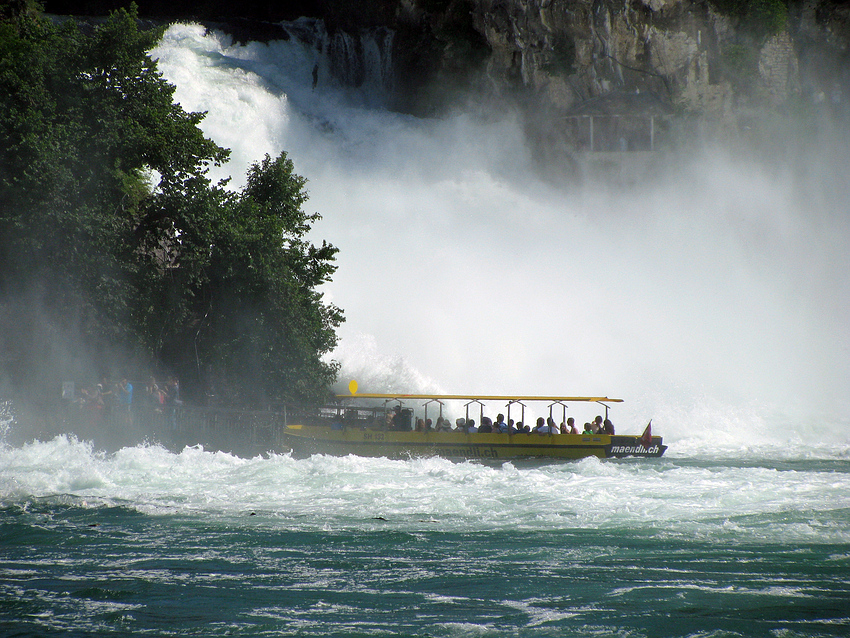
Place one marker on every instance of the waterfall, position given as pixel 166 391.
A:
pixel 361 61
pixel 713 297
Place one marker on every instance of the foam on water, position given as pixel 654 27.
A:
pixel 800 503
pixel 714 299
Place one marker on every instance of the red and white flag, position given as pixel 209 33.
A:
pixel 646 438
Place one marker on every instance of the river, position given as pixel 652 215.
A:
pixel 712 297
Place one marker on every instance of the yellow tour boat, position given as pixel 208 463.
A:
pixel 385 425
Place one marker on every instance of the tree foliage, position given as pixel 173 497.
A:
pixel 762 18
pixel 110 225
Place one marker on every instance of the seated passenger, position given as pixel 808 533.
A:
pixel 460 424
pixel 608 427
pixel 597 425
pixel 486 425
pixel 421 426
pixel 500 425
pixel 571 423
pixel 470 426
pixel 588 429
pixel 541 427
pixel 553 428
pixel 564 429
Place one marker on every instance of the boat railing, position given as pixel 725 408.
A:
pixel 368 410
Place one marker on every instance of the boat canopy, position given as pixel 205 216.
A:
pixel 476 397
pixel 469 399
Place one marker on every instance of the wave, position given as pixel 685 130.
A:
pixel 732 499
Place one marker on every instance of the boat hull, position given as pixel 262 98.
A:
pixel 306 440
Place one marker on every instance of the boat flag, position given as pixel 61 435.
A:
pixel 646 437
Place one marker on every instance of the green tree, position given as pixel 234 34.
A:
pixel 85 119
pixel 112 235
pixel 761 18
pixel 239 308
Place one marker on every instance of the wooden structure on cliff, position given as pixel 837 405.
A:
pixel 619 122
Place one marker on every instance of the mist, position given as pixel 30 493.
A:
pixel 712 295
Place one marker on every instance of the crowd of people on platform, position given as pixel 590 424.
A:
pixel 118 397
pixel 396 421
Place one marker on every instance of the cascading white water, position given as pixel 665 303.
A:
pixel 714 299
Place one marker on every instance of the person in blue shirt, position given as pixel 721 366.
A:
pixel 125 399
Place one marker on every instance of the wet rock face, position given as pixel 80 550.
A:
pixel 703 56
pixel 688 52
pixel 568 51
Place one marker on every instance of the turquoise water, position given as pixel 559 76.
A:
pixel 146 541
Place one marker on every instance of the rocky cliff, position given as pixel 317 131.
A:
pixel 696 55
pixel 714 59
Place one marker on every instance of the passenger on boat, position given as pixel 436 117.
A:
pixel 571 422
pixel 486 425
pixel 442 425
pixel 421 426
pixel 460 424
pixel 597 425
pixel 402 419
pixel 588 429
pixel 564 428
pixel 500 425
pixel 470 426
pixel 546 428
pixel 608 427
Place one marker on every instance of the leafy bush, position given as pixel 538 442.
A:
pixel 220 287
pixel 762 18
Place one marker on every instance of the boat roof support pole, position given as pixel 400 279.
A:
pixel 522 413
pixel 432 401
pixel 482 409
pixel 564 406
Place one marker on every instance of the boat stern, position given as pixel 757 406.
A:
pixel 623 446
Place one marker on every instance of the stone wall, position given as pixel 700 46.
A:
pixel 779 68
